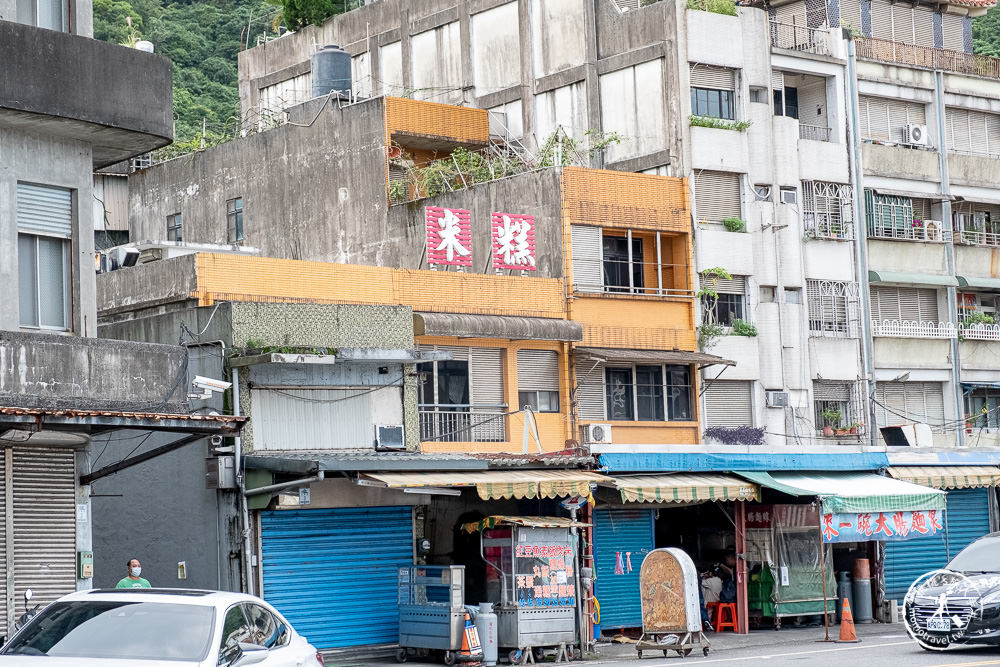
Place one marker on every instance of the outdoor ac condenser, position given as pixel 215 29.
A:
pixel 915 135
pixel 598 434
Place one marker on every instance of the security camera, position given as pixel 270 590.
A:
pixel 207 386
pixel 215 441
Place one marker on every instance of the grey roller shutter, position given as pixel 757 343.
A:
pixel 874 117
pixel 736 285
pixel 910 304
pixel 587 258
pixel 457 353
pixel 537 370
pixel 921 208
pixel 44 210
pixel 959 136
pixel 890 406
pixel 44 524
pixel 882 19
pixel 850 13
pixel 902 24
pixel 952 31
pixel 717 196
pixel 791 14
pixel 728 403
pixel 902 402
pixel 706 76
pixel 993 134
pixel 777 80
pixel 978 133
pixel 486 375
pixel 831 391
pixel 902 113
pixel 923 26
pixel 590 389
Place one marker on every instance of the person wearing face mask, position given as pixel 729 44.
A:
pixel 133 580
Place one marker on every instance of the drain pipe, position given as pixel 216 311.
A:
pixel 861 244
pixel 245 574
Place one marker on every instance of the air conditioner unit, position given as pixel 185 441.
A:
pixel 915 135
pixel 598 434
pixel 777 399
pixel 389 439
pixel 789 196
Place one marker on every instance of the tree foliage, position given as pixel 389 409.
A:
pixel 986 33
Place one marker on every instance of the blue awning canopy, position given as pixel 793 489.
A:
pixel 741 460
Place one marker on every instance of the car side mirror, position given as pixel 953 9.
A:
pixel 250 654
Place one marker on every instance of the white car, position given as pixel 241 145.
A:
pixel 145 627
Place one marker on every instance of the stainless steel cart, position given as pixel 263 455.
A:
pixel 671 610
pixel 536 579
pixel 431 611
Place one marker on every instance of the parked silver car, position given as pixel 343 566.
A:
pixel 145 627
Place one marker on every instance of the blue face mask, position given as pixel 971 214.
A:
pixel 136 571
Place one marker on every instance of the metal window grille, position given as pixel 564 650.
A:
pixel 844 398
pixel 828 209
pixel 834 308
pixel 895 217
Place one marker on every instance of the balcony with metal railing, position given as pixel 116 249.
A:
pixel 888 51
pixel 979 237
pixel 820 226
pixel 917 230
pixel 454 422
pixel 979 331
pixel 913 329
pixel 800 38
pixel 814 132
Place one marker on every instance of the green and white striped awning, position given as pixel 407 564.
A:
pixel 948 477
pixel 684 488
pixel 852 492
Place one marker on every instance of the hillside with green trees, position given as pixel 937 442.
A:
pixel 203 38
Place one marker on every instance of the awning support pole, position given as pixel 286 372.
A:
pixel 822 576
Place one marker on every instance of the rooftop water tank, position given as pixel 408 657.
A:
pixel 331 71
pixel 144 45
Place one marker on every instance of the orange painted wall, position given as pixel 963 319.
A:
pixel 234 278
pixel 652 323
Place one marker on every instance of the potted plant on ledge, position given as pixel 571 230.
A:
pixel 832 419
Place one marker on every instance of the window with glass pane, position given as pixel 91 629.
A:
pixel 679 393
pixel 616 263
pixel 724 309
pixel 982 405
pixel 649 393
pixel 234 219
pixel 712 103
pixel 539 401
pixel 43 281
pixel 175 227
pixel 620 398
pixel 49 14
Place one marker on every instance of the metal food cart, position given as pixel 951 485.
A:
pixel 671 609
pixel 431 610
pixel 534 561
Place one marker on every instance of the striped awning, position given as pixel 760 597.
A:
pixel 496 484
pixel 528 521
pixel 684 487
pixel 852 492
pixel 948 477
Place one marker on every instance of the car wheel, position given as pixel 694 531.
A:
pixel 401 655
pixel 450 658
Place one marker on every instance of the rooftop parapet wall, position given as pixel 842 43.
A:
pixel 62 372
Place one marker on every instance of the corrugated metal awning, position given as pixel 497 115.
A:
pixel 852 492
pixel 911 278
pixel 496 326
pixel 497 484
pixel 684 487
pixel 977 281
pixel 529 521
pixel 948 477
pixel 664 356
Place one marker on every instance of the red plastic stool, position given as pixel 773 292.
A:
pixel 713 612
pixel 729 623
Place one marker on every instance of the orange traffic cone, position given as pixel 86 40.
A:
pixel 848 635
pixel 471 650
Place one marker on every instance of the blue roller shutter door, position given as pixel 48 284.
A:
pixel 332 572
pixel 968 518
pixel 620 530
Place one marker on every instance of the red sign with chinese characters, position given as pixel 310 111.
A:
pixel 449 236
pixel 513 241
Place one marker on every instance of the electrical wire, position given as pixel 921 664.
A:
pixel 365 392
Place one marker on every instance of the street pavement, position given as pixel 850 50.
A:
pixel 880 645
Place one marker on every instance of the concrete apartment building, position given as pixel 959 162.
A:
pixel 69 105
pixel 800 213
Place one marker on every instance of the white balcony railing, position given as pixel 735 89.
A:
pixel 814 132
pixel 979 331
pixel 926 230
pixel 462 422
pixel 800 38
pixel 976 237
pixel 911 329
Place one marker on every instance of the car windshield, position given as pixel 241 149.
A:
pixel 118 629
pixel 980 556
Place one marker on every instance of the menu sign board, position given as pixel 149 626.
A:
pixel 543 575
